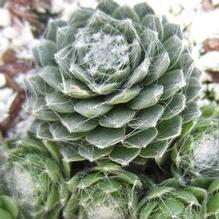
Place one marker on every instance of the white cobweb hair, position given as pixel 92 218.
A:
pixel 21 185
pixel 206 153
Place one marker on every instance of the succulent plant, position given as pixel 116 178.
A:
pixel 115 82
pixel 103 192
pixel 8 207
pixel 196 155
pixel 34 179
pixel 171 200
pixel 213 200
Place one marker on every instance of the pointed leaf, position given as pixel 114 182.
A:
pixel 191 112
pixel 123 96
pixel 213 204
pixel 149 96
pixel 139 73
pixel 59 102
pixel 172 81
pixel 214 186
pixel 104 88
pixel 125 12
pixel 154 23
pixel 158 67
pixel 76 89
pixel 154 150
pixel 52 29
pixel 172 30
pixel 193 89
pixel 135 54
pixel 104 137
pixel 171 128
pixel 175 105
pixel 44 53
pixel 79 17
pixel 174 48
pixel 60 133
pixel 92 108
pixel 76 123
pixel 123 155
pixel 143 9
pixel 52 76
pixel 91 153
pixel 147 118
pixel 70 153
pixel 141 139
pixel 118 117
pixel 107 6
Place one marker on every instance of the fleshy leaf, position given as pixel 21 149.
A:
pixel 104 137
pixel 118 117
pixel 76 89
pixel 193 89
pixel 147 118
pixel 139 73
pixel 123 96
pixel 125 12
pixel 92 108
pixel 143 9
pixel 123 155
pixel 191 112
pixel 140 139
pixel 52 76
pixel 52 29
pixel 59 102
pixel 158 67
pixel 172 81
pixel 174 128
pixel 175 105
pixel 91 153
pixel 149 96
pixel 44 53
pixel 174 48
pixel 107 6
pixel 154 150
pixel 76 123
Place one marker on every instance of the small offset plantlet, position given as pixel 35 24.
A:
pixel 8 208
pixel 196 155
pixel 173 202
pixel 213 200
pixel 103 192
pixel 34 179
pixel 113 82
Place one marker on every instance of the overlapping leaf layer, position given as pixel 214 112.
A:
pixel 115 82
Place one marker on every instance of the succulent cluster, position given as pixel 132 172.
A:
pixel 197 154
pixel 8 208
pixel 106 191
pixel 114 88
pixel 115 82
pixel 34 178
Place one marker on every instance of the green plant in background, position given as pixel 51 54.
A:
pixel 34 179
pixel 8 207
pixel 171 200
pixel 196 155
pixel 115 82
pixel 213 200
pixel 103 192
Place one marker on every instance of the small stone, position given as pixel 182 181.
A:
pixel 2 80
pixel 5 20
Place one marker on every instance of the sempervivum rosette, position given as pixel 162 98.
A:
pixel 35 180
pixel 170 200
pixel 116 81
pixel 196 155
pixel 103 192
